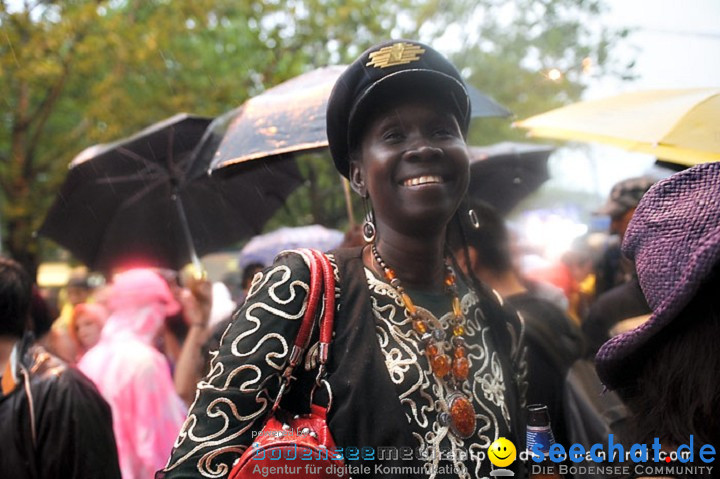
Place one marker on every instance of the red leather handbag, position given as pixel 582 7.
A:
pixel 298 446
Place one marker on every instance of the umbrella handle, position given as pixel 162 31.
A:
pixel 199 271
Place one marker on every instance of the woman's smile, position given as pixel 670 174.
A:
pixel 414 164
pixel 423 180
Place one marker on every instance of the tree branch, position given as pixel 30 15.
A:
pixel 42 114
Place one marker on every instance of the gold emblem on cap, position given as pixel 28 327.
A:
pixel 395 54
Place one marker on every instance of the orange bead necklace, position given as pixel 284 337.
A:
pixel 460 413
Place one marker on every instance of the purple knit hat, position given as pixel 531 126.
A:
pixel 674 239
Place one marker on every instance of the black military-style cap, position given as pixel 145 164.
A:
pixel 395 65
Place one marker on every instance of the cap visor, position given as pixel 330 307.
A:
pixel 419 82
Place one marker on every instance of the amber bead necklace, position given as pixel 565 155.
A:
pixel 460 414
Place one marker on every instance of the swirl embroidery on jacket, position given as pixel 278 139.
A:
pixel 215 437
pixel 424 395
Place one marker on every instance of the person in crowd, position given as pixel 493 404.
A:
pixel 553 340
pixel 528 257
pixel 570 274
pixel 202 303
pixel 53 422
pixel 613 269
pixel 133 376
pixel 42 316
pixel 420 359
pixel 208 309
pixel 222 306
pixel 666 370
pixel 185 332
pixel 85 326
pixel 618 296
pixel 77 291
pixel 176 327
pixel 248 273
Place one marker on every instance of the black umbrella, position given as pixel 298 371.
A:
pixel 290 118
pixel 484 106
pixel 148 200
pixel 505 173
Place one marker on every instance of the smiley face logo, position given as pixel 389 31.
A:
pixel 502 452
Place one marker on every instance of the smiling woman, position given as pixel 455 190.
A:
pixel 426 367
pixel 413 160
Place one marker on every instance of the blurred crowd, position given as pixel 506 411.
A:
pixel 146 337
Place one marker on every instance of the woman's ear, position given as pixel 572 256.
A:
pixel 357 178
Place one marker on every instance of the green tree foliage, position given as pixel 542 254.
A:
pixel 80 72
pixel 75 73
pixel 530 55
pixel 38 61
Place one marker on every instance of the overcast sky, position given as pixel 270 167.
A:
pixel 677 45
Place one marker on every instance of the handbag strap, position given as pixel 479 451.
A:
pixel 313 297
pixel 321 284
pixel 327 320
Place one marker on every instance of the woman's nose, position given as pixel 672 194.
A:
pixel 422 149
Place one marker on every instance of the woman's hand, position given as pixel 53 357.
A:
pixel 196 300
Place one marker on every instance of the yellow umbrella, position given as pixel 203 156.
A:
pixel 682 126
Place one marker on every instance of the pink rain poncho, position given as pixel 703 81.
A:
pixel 133 376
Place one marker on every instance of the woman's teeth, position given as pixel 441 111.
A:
pixel 422 180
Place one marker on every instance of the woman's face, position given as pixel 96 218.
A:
pixel 88 330
pixel 414 165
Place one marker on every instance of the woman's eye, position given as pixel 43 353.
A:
pixel 443 131
pixel 391 135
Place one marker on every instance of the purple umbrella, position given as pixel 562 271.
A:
pixel 263 248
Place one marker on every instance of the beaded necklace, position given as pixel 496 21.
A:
pixel 460 412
